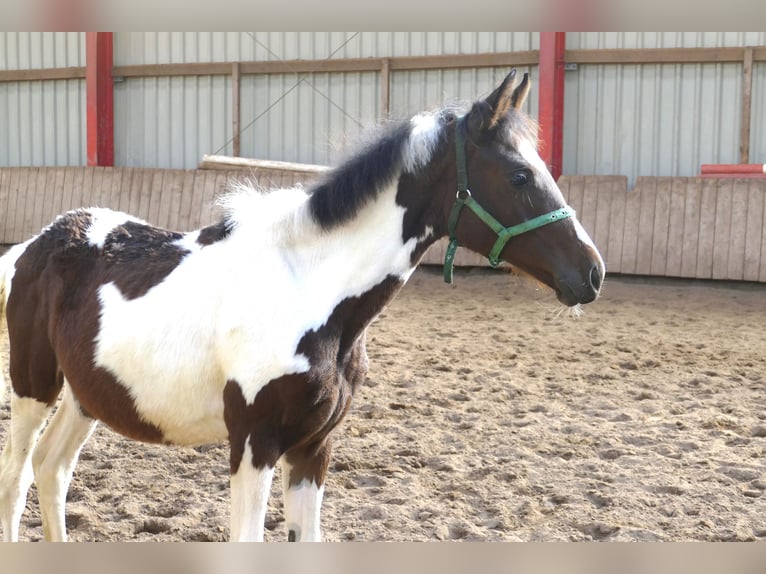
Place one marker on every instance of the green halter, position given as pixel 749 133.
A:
pixel 464 198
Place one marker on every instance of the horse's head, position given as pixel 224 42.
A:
pixel 508 205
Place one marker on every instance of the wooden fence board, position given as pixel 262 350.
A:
pixel 762 272
pixel 616 224
pixel 706 239
pixel 17 206
pixel 647 193
pixel 176 195
pixel 575 193
pixel 754 230
pixel 659 258
pixel 145 198
pixel 736 258
pixel 687 227
pixel 722 228
pixel 603 215
pixel 676 220
pixel 185 205
pixel 136 184
pixel 5 189
pixel 630 235
pixel 163 198
pixel 587 214
pixel 692 207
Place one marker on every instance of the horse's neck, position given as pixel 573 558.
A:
pixel 362 251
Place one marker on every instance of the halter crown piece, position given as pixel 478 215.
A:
pixel 464 198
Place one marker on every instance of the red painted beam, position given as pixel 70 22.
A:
pixel 99 94
pixel 551 102
pixel 728 168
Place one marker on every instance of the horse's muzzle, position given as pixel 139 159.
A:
pixel 581 287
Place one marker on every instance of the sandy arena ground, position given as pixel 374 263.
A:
pixel 489 415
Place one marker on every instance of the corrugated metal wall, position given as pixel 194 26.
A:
pixel 42 122
pixel 633 120
pixel 679 115
pixel 303 118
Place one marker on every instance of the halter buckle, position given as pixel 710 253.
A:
pixel 466 191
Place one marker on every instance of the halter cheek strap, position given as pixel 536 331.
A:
pixel 464 199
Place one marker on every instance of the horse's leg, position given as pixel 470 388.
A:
pixel 250 487
pixel 303 475
pixel 54 460
pixel 27 418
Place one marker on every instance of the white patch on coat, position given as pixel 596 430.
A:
pixel 104 221
pixel 250 488
pixel 237 309
pixel 54 460
pixel 28 417
pixel 424 137
pixel 303 504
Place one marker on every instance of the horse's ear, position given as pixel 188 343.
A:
pixel 500 100
pixel 520 92
pixel 485 114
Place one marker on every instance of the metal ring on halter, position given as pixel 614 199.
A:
pixel 467 194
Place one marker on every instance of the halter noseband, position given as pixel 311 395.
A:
pixel 464 198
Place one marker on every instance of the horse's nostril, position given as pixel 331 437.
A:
pixel 596 277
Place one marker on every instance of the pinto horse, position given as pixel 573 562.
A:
pixel 252 330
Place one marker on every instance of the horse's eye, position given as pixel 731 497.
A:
pixel 519 178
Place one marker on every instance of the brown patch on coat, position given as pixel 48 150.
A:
pixel 53 314
pixel 214 233
pixel 295 414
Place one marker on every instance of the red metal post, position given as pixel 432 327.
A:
pixel 99 89
pixel 551 108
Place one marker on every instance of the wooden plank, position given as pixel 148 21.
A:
pixel 235 108
pixel 38 189
pixel 136 184
pixel 647 192
pixel 111 196
pixel 575 194
pixel 13 197
pixel 385 88
pixel 28 228
pixel 692 212
pixel 630 235
pixel 653 55
pixel 736 258
pixel 747 97
pixel 762 272
pixel 58 198
pixel 82 183
pixel 110 173
pixel 208 200
pixel 707 229
pixel 603 215
pixel 72 178
pixel 754 230
pixel 589 205
pixel 5 188
pixel 145 197
pixel 197 200
pixel 164 199
pixel 616 224
pixel 675 245
pixel 722 228
pixel 40 74
pixel 659 259
pixel 176 191
pixel 185 205
pixel 19 232
pixel 126 188
pixel 157 191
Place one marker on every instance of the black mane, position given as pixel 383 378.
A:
pixel 345 190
